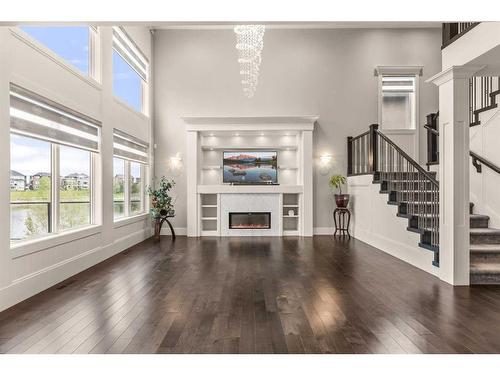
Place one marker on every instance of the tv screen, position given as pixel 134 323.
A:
pixel 250 167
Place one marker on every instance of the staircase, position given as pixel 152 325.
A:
pixel 484 250
pixel 413 190
pixel 484 241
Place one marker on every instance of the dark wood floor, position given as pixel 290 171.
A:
pixel 254 295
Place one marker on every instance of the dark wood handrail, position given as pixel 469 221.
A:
pixel 483 161
pixel 432 130
pixel 417 166
pixel 359 136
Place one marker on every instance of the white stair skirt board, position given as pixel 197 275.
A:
pixel 375 222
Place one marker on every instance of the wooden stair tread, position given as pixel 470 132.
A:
pixel 484 268
pixel 485 248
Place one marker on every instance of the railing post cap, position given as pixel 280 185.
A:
pixel 374 126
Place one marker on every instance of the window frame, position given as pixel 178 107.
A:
pixel 93 76
pixel 127 183
pixel 56 235
pixel 144 94
pixel 398 71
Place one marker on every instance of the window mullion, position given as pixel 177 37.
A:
pixel 55 186
pixel 127 188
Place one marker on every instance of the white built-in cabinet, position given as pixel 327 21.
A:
pixel 209 137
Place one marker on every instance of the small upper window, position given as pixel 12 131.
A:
pixel 130 71
pixel 398 97
pixel 398 107
pixel 72 43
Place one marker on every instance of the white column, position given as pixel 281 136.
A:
pixel 454 242
pixel 5 254
pixel 307 183
pixel 192 168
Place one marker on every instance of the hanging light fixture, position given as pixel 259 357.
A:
pixel 249 44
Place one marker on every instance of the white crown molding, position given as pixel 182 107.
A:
pixel 455 72
pixel 296 25
pixel 396 70
pixel 250 123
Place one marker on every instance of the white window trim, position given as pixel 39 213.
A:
pixel 94 75
pixel 127 216
pixel 126 106
pixel 416 71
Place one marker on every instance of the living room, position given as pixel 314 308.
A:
pixel 249 185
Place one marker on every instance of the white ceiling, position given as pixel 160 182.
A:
pixel 296 25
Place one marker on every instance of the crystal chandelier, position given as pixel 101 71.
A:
pixel 249 44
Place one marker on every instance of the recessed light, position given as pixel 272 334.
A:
pixel 236 134
pixel 211 134
pixel 211 149
pixel 261 134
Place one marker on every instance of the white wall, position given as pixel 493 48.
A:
pixel 41 71
pixel 375 222
pixel 484 187
pixel 329 73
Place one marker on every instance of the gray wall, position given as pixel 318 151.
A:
pixel 319 72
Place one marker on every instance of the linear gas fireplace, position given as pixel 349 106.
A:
pixel 249 220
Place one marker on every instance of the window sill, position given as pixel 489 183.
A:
pixel 129 108
pixel 47 52
pixel 130 220
pixel 33 246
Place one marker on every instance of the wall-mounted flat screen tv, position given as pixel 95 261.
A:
pixel 250 167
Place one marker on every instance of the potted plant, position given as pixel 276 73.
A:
pixel 162 206
pixel 336 182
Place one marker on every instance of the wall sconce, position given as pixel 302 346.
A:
pixel 175 165
pixel 325 162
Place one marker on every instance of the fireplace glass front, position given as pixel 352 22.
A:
pixel 249 220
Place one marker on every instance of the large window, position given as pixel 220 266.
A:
pixel 130 71
pixel 129 174
pixel 53 150
pixel 398 102
pixel 75 44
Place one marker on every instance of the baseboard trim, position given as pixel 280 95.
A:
pixel 323 231
pixel 34 283
pixel 165 231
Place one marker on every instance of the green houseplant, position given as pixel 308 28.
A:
pixel 336 181
pixel 162 206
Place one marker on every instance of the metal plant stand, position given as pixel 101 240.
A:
pixel 342 219
pixel 159 223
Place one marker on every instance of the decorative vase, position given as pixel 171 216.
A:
pixel 342 200
pixel 291 213
pixel 158 225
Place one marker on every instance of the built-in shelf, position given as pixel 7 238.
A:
pixel 290 206
pixel 211 167
pixel 209 206
pixel 294 216
pixel 208 218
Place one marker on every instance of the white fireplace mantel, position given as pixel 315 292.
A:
pixel 240 132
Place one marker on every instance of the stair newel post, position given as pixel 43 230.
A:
pixel 373 156
pixel 349 156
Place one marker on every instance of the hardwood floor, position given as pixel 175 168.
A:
pixel 254 295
